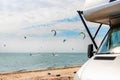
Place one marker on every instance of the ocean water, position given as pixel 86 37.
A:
pixel 10 62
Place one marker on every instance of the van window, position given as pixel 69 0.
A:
pixel 112 40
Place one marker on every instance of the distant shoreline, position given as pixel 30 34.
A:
pixel 38 70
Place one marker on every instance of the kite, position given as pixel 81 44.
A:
pixel 54 31
pixel 4 45
pixel 25 37
pixel 64 40
pixel 82 33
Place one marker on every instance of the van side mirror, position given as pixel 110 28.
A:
pixel 90 50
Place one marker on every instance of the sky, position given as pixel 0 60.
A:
pixel 26 26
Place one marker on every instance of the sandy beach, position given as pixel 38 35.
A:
pixel 66 73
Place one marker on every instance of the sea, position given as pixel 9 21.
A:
pixel 11 62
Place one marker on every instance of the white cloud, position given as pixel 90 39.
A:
pixel 17 16
pixel 45 45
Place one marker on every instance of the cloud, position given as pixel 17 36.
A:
pixel 54 22
pixel 19 14
pixel 73 19
pixel 35 20
pixel 44 45
pixel 23 6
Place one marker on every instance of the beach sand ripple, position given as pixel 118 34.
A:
pixel 66 73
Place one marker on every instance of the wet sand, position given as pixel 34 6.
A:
pixel 66 73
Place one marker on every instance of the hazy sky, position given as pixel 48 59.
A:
pixel 25 26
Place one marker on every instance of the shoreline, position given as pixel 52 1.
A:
pixel 38 70
pixel 64 73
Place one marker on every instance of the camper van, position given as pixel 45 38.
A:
pixel 104 63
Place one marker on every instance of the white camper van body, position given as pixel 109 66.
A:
pixel 105 64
